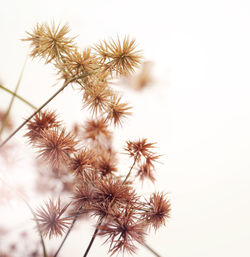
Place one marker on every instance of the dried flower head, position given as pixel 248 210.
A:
pixel 123 231
pixel 120 57
pixel 55 147
pixel 50 218
pixel 159 210
pixel 139 148
pixel 77 63
pixel 145 171
pixel 143 78
pixel 96 129
pixel 114 191
pixel 83 197
pixel 40 122
pixel 82 160
pixel 97 96
pixel 116 111
pixel 106 164
pixel 50 42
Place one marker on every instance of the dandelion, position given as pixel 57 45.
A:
pixel 50 218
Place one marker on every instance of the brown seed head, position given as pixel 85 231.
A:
pixel 49 218
pixel 55 147
pixel 120 57
pixel 85 159
pixel 106 164
pixel 41 121
pixel 116 111
pixel 96 97
pixel 97 129
pixel 114 192
pixel 83 196
pixel 139 148
pixel 77 63
pixel 50 42
pixel 145 171
pixel 123 232
pixel 159 210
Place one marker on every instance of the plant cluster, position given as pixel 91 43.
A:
pixel 82 162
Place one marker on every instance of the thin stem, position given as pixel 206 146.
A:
pixel 151 250
pixel 38 227
pixel 66 83
pixel 34 215
pixel 135 159
pixel 18 96
pixel 64 239
pixel 93 238
pixel 13 97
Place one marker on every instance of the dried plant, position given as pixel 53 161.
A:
pixel 82 164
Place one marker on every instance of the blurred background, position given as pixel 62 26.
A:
pixel 196 107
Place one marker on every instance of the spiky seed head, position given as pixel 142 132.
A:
pixel 117 111
pixel 50 219
pixel 119 56
pixel 55 147
pixel 50 41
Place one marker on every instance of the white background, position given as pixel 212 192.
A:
pixel 197 110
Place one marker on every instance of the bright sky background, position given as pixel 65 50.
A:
pixel 198 109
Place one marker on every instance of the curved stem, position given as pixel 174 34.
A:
pixel 18 96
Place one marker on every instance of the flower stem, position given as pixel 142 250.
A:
pixel 66 83
pixel 135 159
pixel 33 213
pixel 151 250
pixel 64 239
pixel 93 238
pixel 13 98
pixel 18 96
